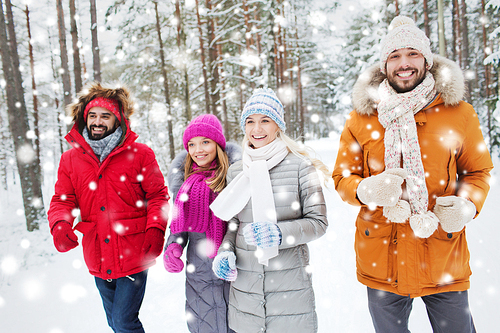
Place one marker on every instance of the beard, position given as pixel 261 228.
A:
pixel 404 86
pixel 93 136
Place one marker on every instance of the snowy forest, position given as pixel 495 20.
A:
pixel 183 58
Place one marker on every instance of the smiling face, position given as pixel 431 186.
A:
pixel 100 123
pixel 202 150
pixel 260 130
pixel 405 69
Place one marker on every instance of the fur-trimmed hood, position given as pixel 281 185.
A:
pixel 95 89
pixel 175 176
pixel 447 74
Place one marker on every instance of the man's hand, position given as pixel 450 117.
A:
pixel 153 243
pixel 383 189
pixel 454 212
pixel 64 237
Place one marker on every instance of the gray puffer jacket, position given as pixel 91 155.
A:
pixel 278 298
pixel 206 295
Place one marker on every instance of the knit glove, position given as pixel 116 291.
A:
pixel 65 238
pixel 224 266
pixel 383 189
pixel 171 258
pixel 262 234
pixel 153 243
pixel 454 212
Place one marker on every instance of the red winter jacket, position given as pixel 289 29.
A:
pixel 118 200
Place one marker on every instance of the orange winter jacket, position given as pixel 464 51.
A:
pixel 456 162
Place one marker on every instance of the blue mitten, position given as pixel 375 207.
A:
pixel 262 234
pixel 224 266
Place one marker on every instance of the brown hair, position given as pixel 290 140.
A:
pixel 218 182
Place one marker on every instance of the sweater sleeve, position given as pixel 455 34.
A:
pixel 313 222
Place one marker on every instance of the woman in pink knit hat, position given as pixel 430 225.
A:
pixel 195 178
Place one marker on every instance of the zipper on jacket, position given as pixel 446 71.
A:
pixel 448 171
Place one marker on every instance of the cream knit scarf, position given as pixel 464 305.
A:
pixel 253 183
pixel 396 114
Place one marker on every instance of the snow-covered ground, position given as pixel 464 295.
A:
pixel 44 291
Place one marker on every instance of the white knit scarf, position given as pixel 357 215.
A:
pixel 254 182
pixel 396 113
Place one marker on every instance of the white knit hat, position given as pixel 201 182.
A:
pixel 403 33
pixel 264 101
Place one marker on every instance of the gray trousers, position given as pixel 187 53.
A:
pixel 448 312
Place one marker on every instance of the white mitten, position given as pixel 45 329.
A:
pixel 398 213
pixel 424 224
pixel 383 189
pixel 454 212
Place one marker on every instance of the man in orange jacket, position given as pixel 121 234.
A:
pixel 412 155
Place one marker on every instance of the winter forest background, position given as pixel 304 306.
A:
pixel 184 58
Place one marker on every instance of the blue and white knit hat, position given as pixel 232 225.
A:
pixel 264 101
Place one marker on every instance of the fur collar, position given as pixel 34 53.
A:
pixel 175 175
pixel 447 74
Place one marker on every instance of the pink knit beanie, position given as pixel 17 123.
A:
pixel 403 33
pixel 206 125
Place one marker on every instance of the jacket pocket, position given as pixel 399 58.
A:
pixel 131 234
pixel 373 249
pixel 448 257
pixel 91 246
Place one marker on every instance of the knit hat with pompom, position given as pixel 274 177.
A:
pixel 403 33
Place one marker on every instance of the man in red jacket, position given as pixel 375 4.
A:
pixel 116 186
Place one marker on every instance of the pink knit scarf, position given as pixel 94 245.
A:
pixel 191 210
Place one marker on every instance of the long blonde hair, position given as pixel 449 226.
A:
pixel 301 151
pixel 216 183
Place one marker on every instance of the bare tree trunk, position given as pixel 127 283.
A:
pixel 212 55
pixel 77 67
pixel 165 86
pixel 442 45
pixel 257 34
pixel 427 26
pixel 458 35
pixel 396 4
pixel 299 88
pixel 29 171
pixel 248 38
pixel 240 74
pixel 465 36
pixel 203 62
pixel 64 54
pixel 223 97
pixel 181 43
pixel 95 42
pixel 33 87
pixel 486 73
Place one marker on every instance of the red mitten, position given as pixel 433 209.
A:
pixel 171 258
pixel 65 238
pixel 153 243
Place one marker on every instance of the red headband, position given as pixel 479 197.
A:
pixel 103 102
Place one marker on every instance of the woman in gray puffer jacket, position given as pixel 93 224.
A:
pixel 275 204
pixel 194 227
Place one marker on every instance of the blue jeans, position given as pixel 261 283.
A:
pixel 122 299
pixel 448 312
